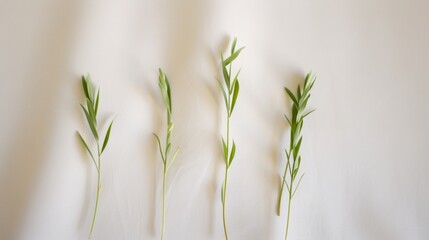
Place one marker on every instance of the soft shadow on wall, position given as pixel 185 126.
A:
pixel 29 144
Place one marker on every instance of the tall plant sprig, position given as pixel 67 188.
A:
pixel 90 109
pixel 293 155
pixel 164 87
pixel 230 89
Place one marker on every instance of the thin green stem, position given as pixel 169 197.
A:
pixel 288 215
pixel 227 126
pixel 97 196
pixel 224 205
pixel 279 202
pixel 163 201
pixel 226 173
pixel 290 196
pixel 164 177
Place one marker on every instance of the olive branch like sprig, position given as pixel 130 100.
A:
pixel 230 89
pixel 293 155
pixel 92 101
pixel 164 87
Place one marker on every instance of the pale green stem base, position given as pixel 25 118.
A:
pixel 96 198
pixel 163 201
pixel 224 204
pixel 288 217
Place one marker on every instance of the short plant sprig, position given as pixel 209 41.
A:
pixel 90 110
pixel 230 89
pixel 293 155
pixel 164 86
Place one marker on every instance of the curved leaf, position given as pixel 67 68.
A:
pixel 235 95
pixel 96 102
pixel 233 46
pixel 91 123
pixel 85 86
pixel 87 149
pixel 231 157
pixel 226 76
pixel 159 147
pixel 106 138
pixel 231 58
pixel 225 151
pixel 224 94
pixel 291 95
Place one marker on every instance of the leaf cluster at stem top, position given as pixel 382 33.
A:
pixel 231 86
pixel 90 109
pixel 296 121
pixel 164 87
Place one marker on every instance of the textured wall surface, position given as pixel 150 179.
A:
pixel 365 151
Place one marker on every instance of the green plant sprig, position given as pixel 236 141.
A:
pixel 293 155
pixel 92 101
pixel 230 89
pixel 164 87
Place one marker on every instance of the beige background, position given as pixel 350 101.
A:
pixel 365 152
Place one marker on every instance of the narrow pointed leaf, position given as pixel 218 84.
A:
pixel 226 76
pixel 297 185
pixel 296 134
pixel 290 124
pixel 296 148
pixel 312 83
pixel 307 78
pixel 231 157
pixel 303 101
pixel 106 138
pixel 224 94
pixel 170 107
pixel 87 149
pixel 173 158
pixel 91 111
pixel 159 147
pixel 164 87
pixel 225 151
pixel 235 95
pixel 96 102
pixel 232 57
pixel 295 171
pixel 287 154
pixel 308 113
pixel 90 87
pixel 234 81
pixel 91 123
pixel 233 46
pixel 292 97
pixel 298 162
pixel 85 87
